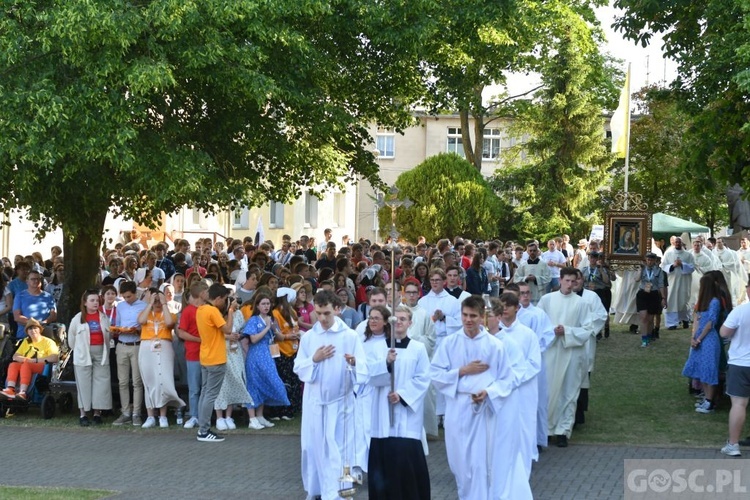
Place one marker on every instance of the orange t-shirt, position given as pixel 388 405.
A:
pixel 164 333
pixel 213 345
pixel 287 347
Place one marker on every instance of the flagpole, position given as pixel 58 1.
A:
pixel 627 138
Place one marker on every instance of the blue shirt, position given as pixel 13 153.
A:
pixel 38 307
pixel 16 286
pixel 127 317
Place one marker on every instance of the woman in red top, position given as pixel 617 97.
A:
pixel 88 337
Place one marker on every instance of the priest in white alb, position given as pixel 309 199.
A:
pixel 678 264
pixel 733 271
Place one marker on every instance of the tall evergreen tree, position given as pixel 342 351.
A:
pixel 555 175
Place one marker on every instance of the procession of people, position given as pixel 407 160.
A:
pixel 373 355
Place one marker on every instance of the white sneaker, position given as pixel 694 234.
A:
pixel 150 422
pixel 230 423
pixel 192 422
pixel 163 422
pixel 221 424
pixel 733 450
pixel 264 422
pixel 254 424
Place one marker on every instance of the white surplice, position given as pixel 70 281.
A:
pixel 328 406
pixel 540 271
pixel 373 348
pixel 423 330
pixel 451 308
pixel 539 322
pixel 734 273
pixel 412 378
pixel 680 283
pixel 597 317
pixel 624 290
pixel 703 261
pixel 566 359
pixel 526 366
pixel 474 453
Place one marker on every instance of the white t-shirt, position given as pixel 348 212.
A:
pixel 739 349
pixel 556 257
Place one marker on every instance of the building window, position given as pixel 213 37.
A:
pixel 241 218
pixel 491 144
pixel 339 209
pixel 276 217
pixel 386 144
pixel 455 142
pixel 311 210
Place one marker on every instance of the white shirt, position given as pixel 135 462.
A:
pixel 739 349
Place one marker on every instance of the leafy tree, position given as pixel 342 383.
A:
pixel 450 199
pixel 659 154
pixel 710 42
pixel 480 43
pixel 555 188
pixel 143 107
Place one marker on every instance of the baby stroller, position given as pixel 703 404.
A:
pixel 38 393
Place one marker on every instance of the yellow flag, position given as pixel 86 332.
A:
pixel 620 123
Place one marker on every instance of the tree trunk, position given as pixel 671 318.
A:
pixel 469 152
pixel 81 253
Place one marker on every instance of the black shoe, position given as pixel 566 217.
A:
pixel 685 325
pixel 745 442
pixel 562 441
pixel 672 328
pixel 97 420
pixel 598 336
pixel 655 333
pixel 633 328
pixel 84 421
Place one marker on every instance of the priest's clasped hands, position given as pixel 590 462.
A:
pixel 559 330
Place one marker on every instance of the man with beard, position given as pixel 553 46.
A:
pixel 679 265
pixel 534 271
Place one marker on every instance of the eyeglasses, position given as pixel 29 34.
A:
pixel 525 293
pixel 375 318
pixel 413 292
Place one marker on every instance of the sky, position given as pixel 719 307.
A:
pixel 648 66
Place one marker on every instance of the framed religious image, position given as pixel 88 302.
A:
pixel 627 236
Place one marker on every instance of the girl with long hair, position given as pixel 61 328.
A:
pixel 705 344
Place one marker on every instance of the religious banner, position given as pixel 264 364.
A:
pixel 627 231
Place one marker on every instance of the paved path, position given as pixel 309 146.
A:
pixel 171 463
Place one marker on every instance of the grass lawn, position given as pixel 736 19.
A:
pixel 639 397
pixel 33 493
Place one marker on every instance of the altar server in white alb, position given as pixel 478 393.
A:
pixel 679 265
pixel 472 371
pixel 445 313
pixel 511 470
pixel 397 465
pixel 536 319
pixel 526 370
pixel 327 363
pixel 566 359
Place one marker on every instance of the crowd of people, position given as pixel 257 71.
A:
pixel 493 341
